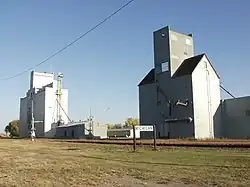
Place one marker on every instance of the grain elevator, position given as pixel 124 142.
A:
pixel 181 93
pixel 50 104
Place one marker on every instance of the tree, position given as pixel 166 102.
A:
pixel 117 126
pixel 7 129
pixel 131 122
pixel 110 126
pixel 12 128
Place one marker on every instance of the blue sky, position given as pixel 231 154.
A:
pixel 103 69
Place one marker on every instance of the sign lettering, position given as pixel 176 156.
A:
pixel 144 128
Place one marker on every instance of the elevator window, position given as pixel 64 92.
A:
pixel 164 67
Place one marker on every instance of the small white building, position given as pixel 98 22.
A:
pixel 45 105
pixel 96 129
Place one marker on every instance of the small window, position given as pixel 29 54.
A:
pixel 248 112
pixel 164 66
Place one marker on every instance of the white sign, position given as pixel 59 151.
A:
pixel 144 128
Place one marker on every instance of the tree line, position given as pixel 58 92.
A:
pixel 129 123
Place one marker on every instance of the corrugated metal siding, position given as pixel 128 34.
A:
pixel 148 111
pixel 200 102
pixel 98 130
pixel 161 48
pixel 39 111
pixel 235 121
pixel 72 132
pixel 123 133
pixel 119 133
pixel 214 82
pixel 206 96
pixel 23 126
pixel 182 47
pixel 181 130
pixel 44 110
pixel 171 47
pixel 51 107
pixel 175 89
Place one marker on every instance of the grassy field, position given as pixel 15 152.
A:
pixel 50 163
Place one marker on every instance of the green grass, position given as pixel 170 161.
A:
pixel 50 163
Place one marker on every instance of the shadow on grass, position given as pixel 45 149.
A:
pixel 177 143
pixel 72 149
pixel 164 163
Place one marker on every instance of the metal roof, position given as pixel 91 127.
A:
pixel 71 124
pixel 188 66
pixel 149 78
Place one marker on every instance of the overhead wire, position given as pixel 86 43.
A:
pixel 80 37
pixel 71 43
pixel 225 90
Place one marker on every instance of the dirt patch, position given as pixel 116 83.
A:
pixel 128 181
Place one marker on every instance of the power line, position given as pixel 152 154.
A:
pixel 80 37
pixel 224 89
pixel 71 43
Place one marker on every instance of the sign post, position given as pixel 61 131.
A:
pixel 134 137
pixel 154 137
pixel 148 128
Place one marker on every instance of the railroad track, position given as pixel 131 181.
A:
pixel 176 143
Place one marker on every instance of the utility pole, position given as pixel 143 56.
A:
pixel 91 123
pixel 32 130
